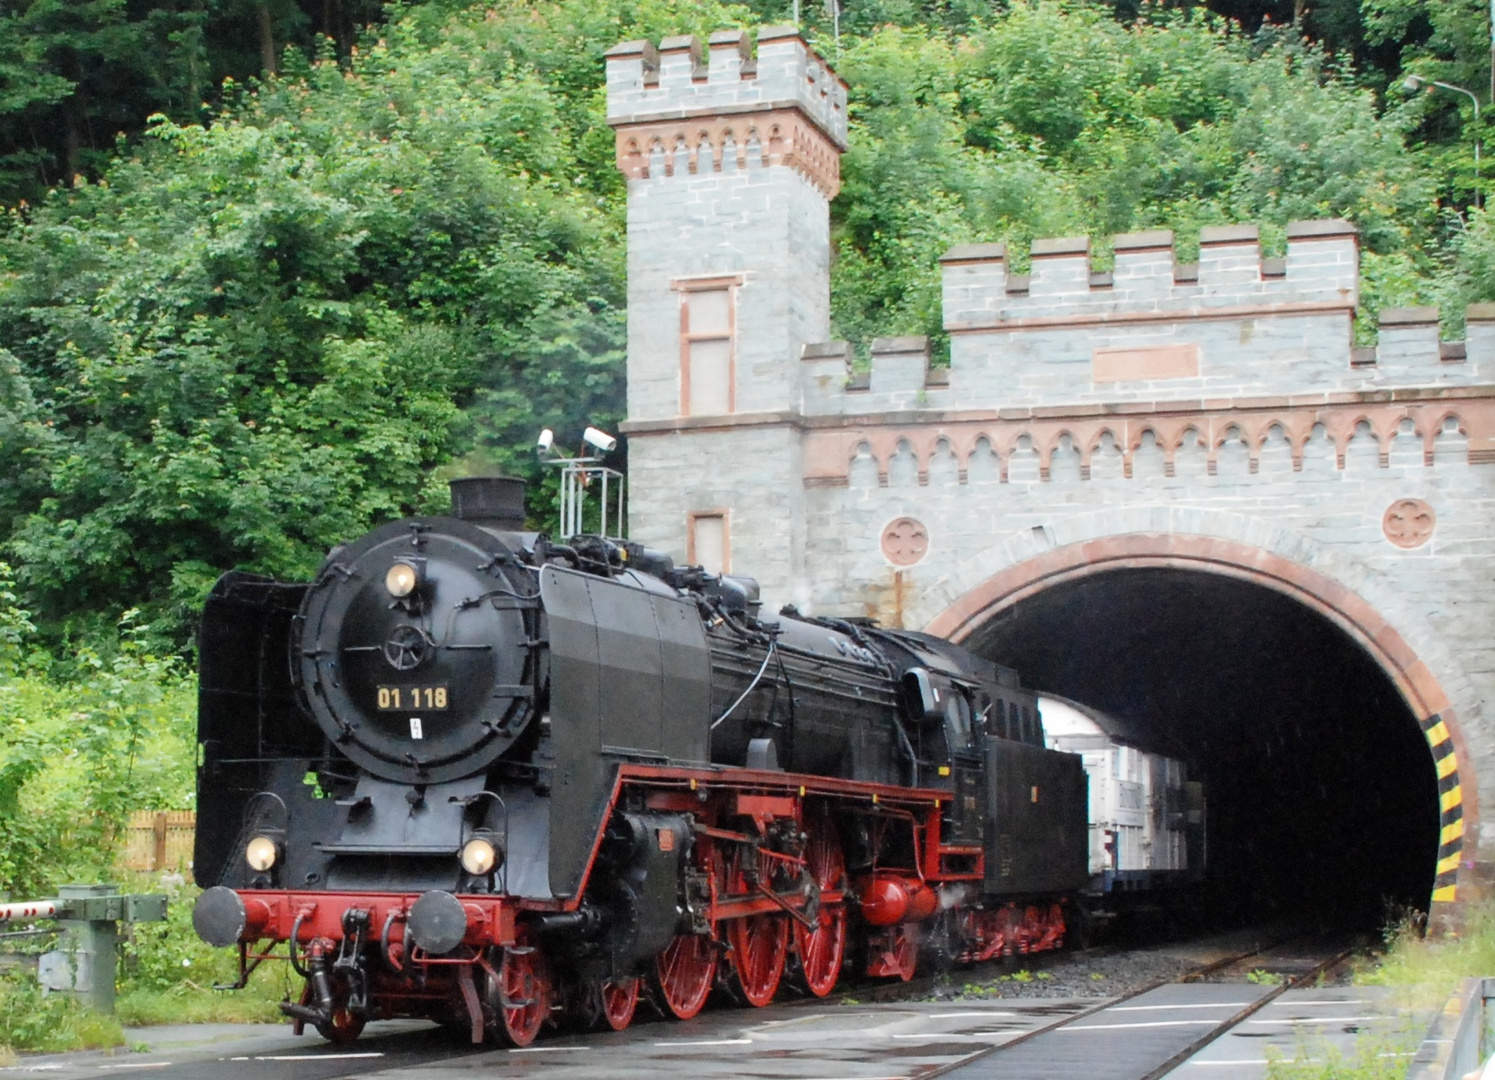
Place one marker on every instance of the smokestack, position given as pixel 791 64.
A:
pixel 494 501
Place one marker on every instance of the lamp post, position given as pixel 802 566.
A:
pixel 1415 83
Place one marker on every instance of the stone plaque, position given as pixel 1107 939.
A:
pixel 905 541
pixel 1144 364
pixel 1409 523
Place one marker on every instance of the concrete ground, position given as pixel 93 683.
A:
pixel 802 1041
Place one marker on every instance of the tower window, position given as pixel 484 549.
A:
pixel 709 545
pixel 708 345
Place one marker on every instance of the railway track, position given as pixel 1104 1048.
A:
pixel 1153 1029
pixel 863 1036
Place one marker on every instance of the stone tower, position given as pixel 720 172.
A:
pixel 732 159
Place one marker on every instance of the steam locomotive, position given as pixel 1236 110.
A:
pixel 478 775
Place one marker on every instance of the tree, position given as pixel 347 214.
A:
pixel 256 338
pixel 1056 120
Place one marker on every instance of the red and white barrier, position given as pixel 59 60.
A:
pixel 30 909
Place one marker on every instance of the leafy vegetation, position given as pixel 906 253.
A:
pixel 267 276
pixel 86 743
pixel 31 1020
pixel 264 329
pixel 1056 120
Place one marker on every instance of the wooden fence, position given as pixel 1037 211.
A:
pixel 159 840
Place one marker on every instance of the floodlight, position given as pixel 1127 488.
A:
pixel 599 439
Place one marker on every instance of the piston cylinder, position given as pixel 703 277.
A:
pixel 892 898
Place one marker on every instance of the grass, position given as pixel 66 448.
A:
pixel 1379 1057
pixel 258 1003
pixel 51 1023
pixel 1420 973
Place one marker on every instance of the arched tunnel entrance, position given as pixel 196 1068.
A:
pixel 1323 799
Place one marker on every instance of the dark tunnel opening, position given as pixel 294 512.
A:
pixel 1323 804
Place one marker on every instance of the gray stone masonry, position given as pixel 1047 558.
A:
pixel 770 227
pixel 1214 407
pixel 674 80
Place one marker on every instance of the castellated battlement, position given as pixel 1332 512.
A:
pixel 1153 329
pixel 1320 272
pixel 680 111
pixel 677 79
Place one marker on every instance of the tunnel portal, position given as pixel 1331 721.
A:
pixel 1323 802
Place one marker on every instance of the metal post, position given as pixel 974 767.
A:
pixel 1417 82
pixel 91 942
pixel 1478 134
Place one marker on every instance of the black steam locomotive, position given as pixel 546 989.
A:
pixel 474 774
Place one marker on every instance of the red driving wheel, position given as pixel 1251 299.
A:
pixel 683 973
pixel 524 994
pixel 619 1000
pixel 760 945
pixel 822 948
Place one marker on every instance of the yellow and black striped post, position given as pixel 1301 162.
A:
pixel 1450 807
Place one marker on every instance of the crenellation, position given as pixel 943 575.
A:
pixel 900 367
pixel 677 80
pixel 681 63
pixel 1060 267
pixel 1147 279
pixel 730 55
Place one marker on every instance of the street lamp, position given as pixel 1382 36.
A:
pixel 1414 83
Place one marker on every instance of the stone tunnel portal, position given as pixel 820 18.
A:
pixel 1323 798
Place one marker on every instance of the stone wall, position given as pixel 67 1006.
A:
pixel 1216 411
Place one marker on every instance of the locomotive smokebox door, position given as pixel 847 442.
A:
pixel 630 679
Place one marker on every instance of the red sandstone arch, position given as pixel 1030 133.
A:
pixel 1344 608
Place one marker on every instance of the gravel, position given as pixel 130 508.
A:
pixel 1097 973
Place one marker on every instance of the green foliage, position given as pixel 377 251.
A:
pixel 1380 1057
pixel 1424 970
pixel 167 973
pixel 82 747
pixel 1056 120
pixel 31 1020
pixel 74 74
pixel 1442 39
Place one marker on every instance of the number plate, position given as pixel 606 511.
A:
pixel 412 698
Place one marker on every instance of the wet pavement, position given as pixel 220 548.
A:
pixel 1312 1025
pixel 803 1041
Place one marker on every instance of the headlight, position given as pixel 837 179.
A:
pixel 261 854
pixel 479 856
pixel 401 580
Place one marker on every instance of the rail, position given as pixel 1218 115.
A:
pixel 88 918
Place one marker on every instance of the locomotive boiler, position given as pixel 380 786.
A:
pixel 479 775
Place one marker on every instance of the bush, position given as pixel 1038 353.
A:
pixel 84 745
pixel 167 973
pixel 31 1020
